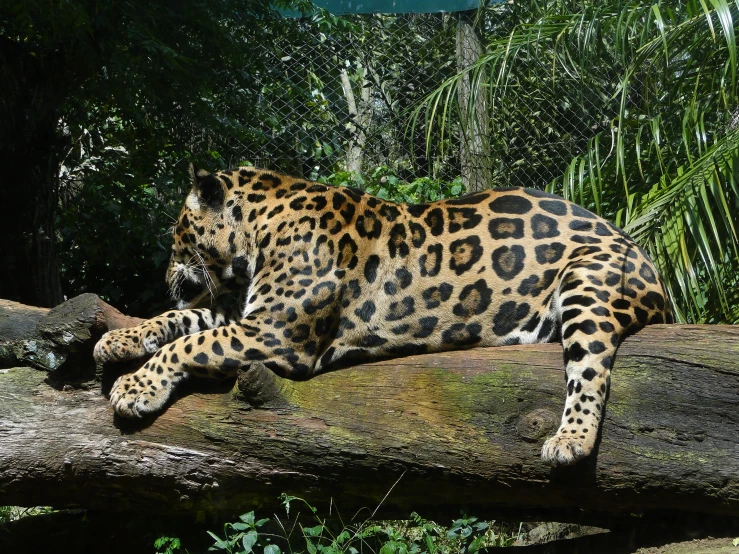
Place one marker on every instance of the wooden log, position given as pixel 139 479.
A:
pixel 441 432
pixel 18 321
pixel 57 340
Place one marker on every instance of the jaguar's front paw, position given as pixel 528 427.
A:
pixel 139 394
pixel 566 449
pixel 124 344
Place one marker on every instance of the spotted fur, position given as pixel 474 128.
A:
pixel 329 276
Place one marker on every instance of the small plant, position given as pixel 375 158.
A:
pixel 466 532
pixel 313 534
pixel 465 535
pixel 167 545
pixel 242 537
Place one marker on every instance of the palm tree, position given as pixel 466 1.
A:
pixel 644 120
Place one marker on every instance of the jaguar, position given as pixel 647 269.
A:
pixel 321 277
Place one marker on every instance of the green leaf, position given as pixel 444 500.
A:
pixel 220 544
pixel 313 531
pixel 249 540
pixel 476 544
pixel 482 526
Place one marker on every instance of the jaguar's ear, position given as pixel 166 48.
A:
pixel 209 188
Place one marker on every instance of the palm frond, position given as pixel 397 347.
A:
pixel 655 85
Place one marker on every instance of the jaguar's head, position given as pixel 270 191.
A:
pixel 209 246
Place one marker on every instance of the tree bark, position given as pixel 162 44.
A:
pixel 473 108
pixel 360 117
pixel 439 433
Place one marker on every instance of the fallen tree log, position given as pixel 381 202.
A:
pixel 443 431
pixel 57 340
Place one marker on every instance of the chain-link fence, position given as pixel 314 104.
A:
pixel 343 91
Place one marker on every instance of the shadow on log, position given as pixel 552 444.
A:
pixel 450 431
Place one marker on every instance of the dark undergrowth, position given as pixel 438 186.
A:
pixel 299 528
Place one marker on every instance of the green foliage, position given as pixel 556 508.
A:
pixel 14 513
pixel 242 537
pixel 645 95
pixel 464 531
pixel 318 535
pixel 117 239
pixel 403 57
pixel 384 183
pixel 139 94
pixel 167 545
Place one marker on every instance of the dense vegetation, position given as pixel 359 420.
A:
pixel 654 85
pixel 626 107
pixel 102 103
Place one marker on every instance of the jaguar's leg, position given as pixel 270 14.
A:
pixel 590 337
pixel 216 353
pixel 152 334
pixel 601 299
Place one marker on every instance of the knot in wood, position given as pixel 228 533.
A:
pixel 536 425
pixel 259 385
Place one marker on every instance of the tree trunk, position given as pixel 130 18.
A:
pixel 473 107
pixel 360 116
pixel 30 154
pixel 438 432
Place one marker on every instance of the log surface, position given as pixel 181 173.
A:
pixel 57 339
pixel 459 429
